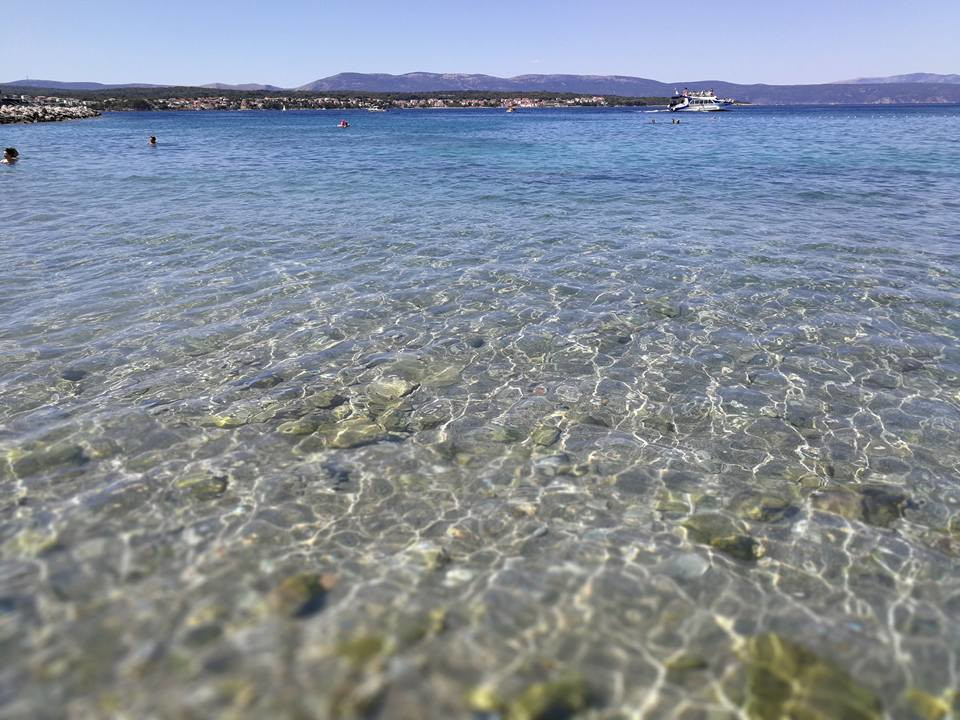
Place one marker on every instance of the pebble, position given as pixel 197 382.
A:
pixel 545 435
pixel 688 566
pixel 391 388
pixel 301 595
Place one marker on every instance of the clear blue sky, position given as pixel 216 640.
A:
pixel 291 42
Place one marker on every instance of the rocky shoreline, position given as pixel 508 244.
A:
pixel 44 113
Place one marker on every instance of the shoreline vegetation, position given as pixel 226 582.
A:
pixel 39 105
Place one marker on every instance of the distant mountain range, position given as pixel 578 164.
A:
pixel 838 93
pixel 245 86
pixel 914 88
pixel 57 85
pixel 910 78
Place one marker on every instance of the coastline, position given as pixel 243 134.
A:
pixel 11 114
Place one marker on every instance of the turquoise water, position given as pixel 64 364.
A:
pixel 468 414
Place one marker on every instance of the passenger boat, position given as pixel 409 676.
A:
pixel 698 101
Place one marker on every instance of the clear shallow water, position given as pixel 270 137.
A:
pixel 455 414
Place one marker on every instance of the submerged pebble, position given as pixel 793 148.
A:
pixel 785 680
pixel 302 594
pixel 723 534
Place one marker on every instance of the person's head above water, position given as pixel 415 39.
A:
pixel 10 155
pixel 153 139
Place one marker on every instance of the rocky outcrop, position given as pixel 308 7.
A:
pixel 44 113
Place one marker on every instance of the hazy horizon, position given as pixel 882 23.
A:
pixel 296 43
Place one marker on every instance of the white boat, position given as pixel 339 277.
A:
pixel 697 101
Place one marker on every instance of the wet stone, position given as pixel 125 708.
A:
pixel 684 666
pixel 262 381
pixel 395 420
pixel 102 448
pixel 311 444
pixel 301 595
pixel 545 435
pixel 430 555
pixel 668 502
pixel 723 534
pixel 659 423
pixel 360 649
pixel 325 400
pixel 785 680
pixel 553 700
pixel 927 706
pixel 355 433
pixel 761 507
pixel 35 461
pixel 875 505
pixel 838 501
pixel 687 566
pixel 224 421
pixel 202 485
pixel 504 434
pixel 910 365
pixel 303 426
pixel 882 506
pixel 882 381
pixel 427 421
pixel 553 465
pixel 203 635
pixel 391 388
pixel 665 307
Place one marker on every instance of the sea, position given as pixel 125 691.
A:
pixel 562 413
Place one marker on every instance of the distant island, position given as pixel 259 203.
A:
pixel 912 88
pixel 38 105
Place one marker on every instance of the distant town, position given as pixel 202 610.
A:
pixel 22 106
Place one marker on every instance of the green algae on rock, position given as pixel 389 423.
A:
pixel 302 426
pixel 545 435
pixel 35 461
pixel 882 505
pixel 223 421
pixel 723 534
pixel 877 505
pixel 354 433
pixel 360 649
pixel 505 434
pixel 301 595
pixel 683 667
pixel 202 485
pixel 325 400
pixel 761 507
pixel 786 680
pixel 558 699
pixel 930 707
pixel 552 700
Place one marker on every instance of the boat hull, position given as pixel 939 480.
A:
pixel 711 107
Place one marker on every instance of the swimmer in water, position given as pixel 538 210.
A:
pixel 10 156
pixel 153 140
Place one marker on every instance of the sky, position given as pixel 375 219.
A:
pixel 293 42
